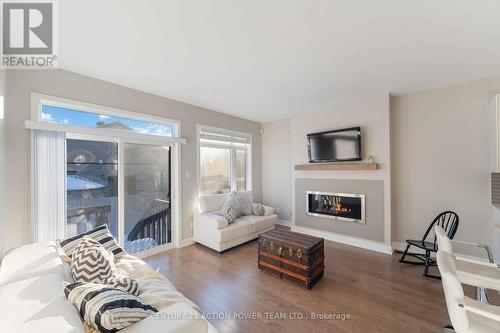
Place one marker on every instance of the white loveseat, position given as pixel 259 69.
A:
pixel 213 230
pixel 32 297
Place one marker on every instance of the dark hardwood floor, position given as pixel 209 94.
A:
pixel 375 290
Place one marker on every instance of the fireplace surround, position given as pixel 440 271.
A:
pixel 337 206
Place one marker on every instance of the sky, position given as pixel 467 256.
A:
pixel 57 115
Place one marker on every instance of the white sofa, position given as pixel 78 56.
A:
pixel 32 297
pixel 213 230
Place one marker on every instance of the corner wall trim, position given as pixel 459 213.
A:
pixel 186 242
pixel 347 240
pixel 400 246
pixel 286 223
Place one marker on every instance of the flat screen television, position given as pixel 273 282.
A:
pixel 335 146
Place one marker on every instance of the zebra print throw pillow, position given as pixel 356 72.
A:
pixel 124 283
pixel 91 262
pixel 107 309
pixel 100 234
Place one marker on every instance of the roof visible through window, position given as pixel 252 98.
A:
pixel 57 115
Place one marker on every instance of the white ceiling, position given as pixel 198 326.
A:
pixel 265 59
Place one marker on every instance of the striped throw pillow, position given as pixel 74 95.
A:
pixel 91 262
pixel 124 283
pixel 107 309
pixel 100 234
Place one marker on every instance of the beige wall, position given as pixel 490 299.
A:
pixel 372 114
pixel 74 86
pixel 373 190
pixel 276 168
pixel 285 145
pixel 443 151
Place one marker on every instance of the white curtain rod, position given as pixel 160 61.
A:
pixel 110 132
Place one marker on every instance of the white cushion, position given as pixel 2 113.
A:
pixel 154 287
pixel 238 229
pixel 210 220
pixel 213 202
pixel 38 305
pixel 261 222
pixel 29 261
pixel 268 210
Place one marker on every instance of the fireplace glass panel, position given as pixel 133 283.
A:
pixel 336 206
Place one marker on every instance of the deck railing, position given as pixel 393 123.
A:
pixel 155 226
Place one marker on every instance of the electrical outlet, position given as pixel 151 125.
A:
pixel 277 210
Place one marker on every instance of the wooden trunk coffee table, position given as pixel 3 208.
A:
pixel 292 256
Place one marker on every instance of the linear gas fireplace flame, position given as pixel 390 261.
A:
pixel 339 209
pixel 338 206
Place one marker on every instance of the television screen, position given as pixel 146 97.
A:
pixel 333 146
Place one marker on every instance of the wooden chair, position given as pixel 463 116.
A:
pixel 448 220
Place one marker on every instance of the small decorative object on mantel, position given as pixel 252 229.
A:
pixel 371 159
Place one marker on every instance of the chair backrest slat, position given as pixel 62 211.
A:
pixel 448 220
pixel 447 217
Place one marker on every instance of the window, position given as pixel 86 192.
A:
pixel 120 178
pixel 215 170
pixel 59 115
pixel 241 170
pixel 224 161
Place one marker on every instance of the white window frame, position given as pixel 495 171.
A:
pixel 121 137
pixel 232 148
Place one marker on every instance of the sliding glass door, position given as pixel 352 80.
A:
pixel 147 196
pixel 124 185
pixel 91 185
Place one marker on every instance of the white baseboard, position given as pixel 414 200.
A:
pixel 348 240
pixel 154 251
pixel 400 246
pixel 186 242
pixel 285 222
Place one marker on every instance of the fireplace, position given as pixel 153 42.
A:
pixel 337 206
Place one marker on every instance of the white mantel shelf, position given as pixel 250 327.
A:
pixel 337 166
